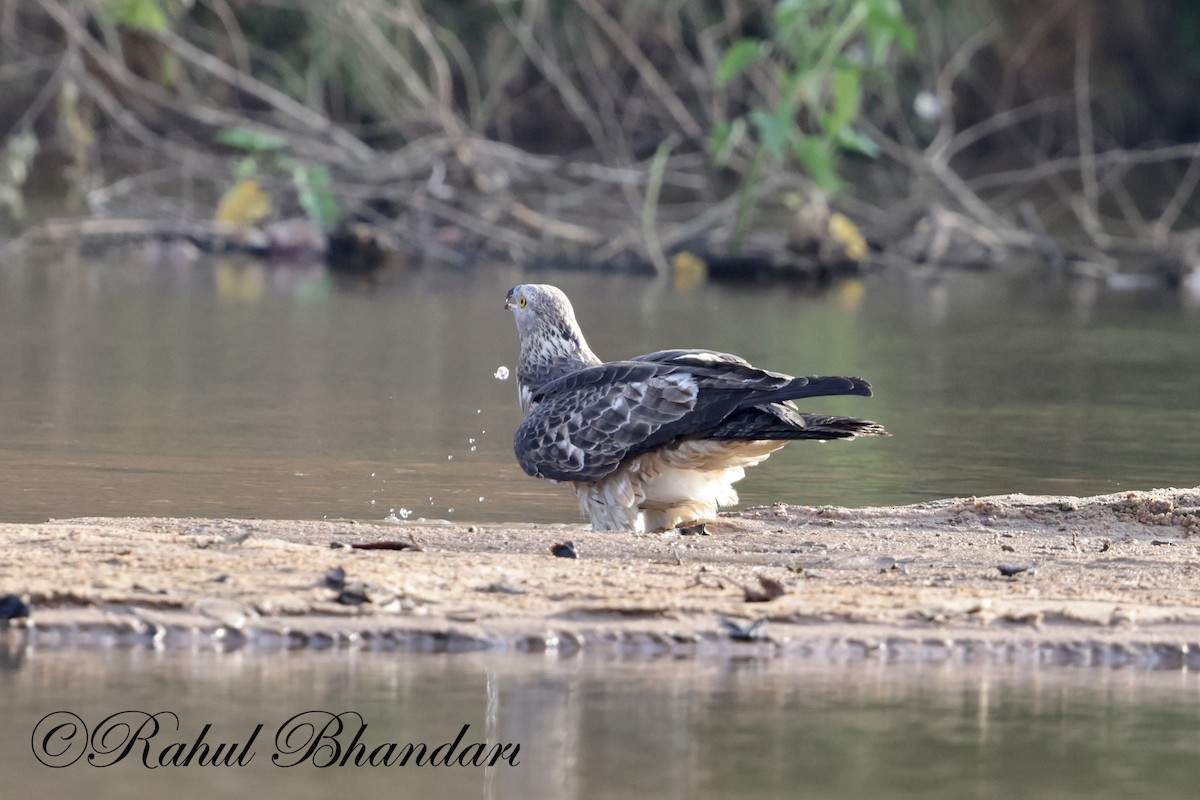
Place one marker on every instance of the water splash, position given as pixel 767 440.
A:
pixel 398 515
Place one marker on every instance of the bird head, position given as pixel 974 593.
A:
pixel 540 307
pixel 546 323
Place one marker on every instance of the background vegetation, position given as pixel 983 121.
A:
pixel 614 133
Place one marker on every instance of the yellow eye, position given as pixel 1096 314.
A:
pixel 521 301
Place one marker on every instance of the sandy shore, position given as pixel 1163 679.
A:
pixel 1110 580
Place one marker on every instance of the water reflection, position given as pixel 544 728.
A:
pixel 600 728
pixel 233 388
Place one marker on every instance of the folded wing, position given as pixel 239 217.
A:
pixel 583 425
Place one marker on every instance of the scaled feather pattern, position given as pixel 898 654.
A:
pixel 656 441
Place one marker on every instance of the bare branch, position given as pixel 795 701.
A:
pixel 1088 207
pixel 1183 192
pixel 651 76
pixel 1102 160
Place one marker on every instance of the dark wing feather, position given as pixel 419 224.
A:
pixel 584 424
pixel 727 371
pixel 692 358
pixel 535 373
pixel 778 422
pixel 587 426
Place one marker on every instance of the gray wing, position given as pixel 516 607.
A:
pixel 693 358
pixel 583 425
pixel 582 431
pixel 536 374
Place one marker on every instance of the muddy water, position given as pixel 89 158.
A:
pixel 599 728
pixel 223 389
pixel 236 390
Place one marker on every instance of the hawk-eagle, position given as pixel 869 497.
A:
pixel 659 440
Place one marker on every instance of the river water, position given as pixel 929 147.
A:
pixel 243 390
pixel 601 728
pixel 228 389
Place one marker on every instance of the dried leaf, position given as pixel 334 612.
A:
pixel 244 204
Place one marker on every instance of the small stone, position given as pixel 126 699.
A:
pixel 564 549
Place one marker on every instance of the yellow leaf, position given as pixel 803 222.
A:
pixel 846 233
pixel 244 204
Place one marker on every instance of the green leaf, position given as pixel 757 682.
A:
pixel 846 85
pixel 794 16
pixel 737 58
pixel 726 136
pixel 816 155
pixel 251 140
pixel 885 24
pixel 137 15
pixel 774 131
pixel 857 142
pixel 246 169
pixel 315 189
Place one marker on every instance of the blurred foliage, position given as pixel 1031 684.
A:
pixel 686 99
pixel 815 57
pixel 818 54
pixel 15 160
pixel 145 16
pixel 246 203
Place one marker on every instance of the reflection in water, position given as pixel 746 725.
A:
pixel 599 728
pixel 242 389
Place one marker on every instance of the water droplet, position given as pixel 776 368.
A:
pixel 372 474
pixel 479 411
pixel 473 448
pixel 471 440
pixel 372 502
pixel 449 510
pixel 501 374
pixel 449 458
pixel 481 498
pixel 405 513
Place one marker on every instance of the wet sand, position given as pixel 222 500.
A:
pixel 1111 580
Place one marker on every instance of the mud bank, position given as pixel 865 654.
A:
pixel 1111 580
